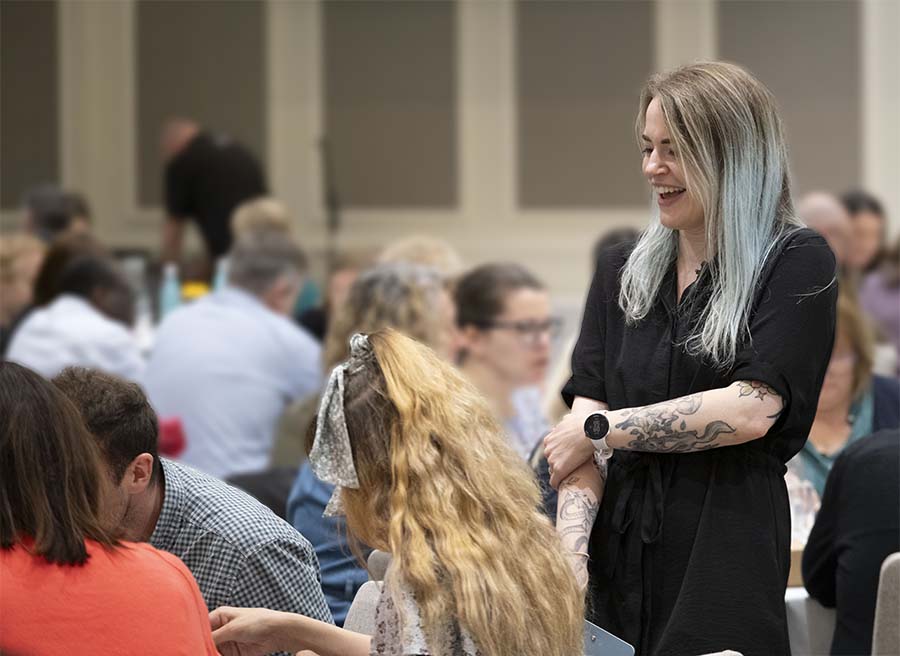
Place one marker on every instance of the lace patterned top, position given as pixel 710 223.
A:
pixel 392 639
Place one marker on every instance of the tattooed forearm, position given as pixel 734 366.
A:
pixel 577 507
pixel 661 427
pixel 743 411
pixel 575 518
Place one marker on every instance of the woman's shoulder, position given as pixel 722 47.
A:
pixel 806 243
pixel 803 254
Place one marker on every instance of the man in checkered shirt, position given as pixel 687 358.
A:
pixel 239 551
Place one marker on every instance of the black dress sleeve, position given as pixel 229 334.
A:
pixel 792 324
pixel 820 553
pixel 589 356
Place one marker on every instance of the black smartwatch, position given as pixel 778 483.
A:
pixel 596 428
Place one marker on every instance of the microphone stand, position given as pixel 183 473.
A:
pixel 332 205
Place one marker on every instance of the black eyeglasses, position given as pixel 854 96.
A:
pixel 529 332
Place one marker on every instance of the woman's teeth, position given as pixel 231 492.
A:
pixel 668 191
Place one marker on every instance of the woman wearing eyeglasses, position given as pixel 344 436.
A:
pixel 701 356
pixel 505 326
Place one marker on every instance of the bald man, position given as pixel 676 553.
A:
pixel 824 213
pixel 207 176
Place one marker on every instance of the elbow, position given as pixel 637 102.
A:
pixel 758 425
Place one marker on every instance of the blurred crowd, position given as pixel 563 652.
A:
pixel 231 357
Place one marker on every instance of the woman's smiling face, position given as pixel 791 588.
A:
pixel 679 209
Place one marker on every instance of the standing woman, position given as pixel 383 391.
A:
pixel 700 359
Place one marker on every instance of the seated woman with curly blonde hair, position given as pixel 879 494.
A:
pixel 424 472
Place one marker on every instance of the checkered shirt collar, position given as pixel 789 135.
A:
pixel 170 515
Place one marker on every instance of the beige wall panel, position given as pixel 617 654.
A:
pixel 808 54
pixel 389 74
pixel 203 59
pixel 580 69
pixel 29 97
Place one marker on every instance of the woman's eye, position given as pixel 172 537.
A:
pixel 646 151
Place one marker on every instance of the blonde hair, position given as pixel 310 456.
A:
pixel 429 251
pixel 729 139
pixel 852 323
pixel 260 214
pixel 441 490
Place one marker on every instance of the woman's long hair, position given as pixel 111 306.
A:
pixel 729 139
pixel 442 491
pixel 50 471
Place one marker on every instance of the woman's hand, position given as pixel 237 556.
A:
pixel 566 446
pixel 248 631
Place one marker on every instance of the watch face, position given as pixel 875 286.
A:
pixel 596 426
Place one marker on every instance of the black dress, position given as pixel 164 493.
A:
pixel 690 552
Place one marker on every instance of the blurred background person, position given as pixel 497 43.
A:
pixel 228 364
pixel 413 300
pixel 824 213
pixel 857 528
pixel 21 256
pixel 869 229
pixel 879 295
pixel 51 212
pixel 346 268
pixel 68 584
pixel 263 213
pixel 505 331
pixel 853 403
pixel 426 250
pixel 45 286
pixel 239 552
pixel 207 176
pixel 877 266
pixel 85 322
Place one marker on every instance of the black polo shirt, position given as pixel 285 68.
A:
pixel 206 181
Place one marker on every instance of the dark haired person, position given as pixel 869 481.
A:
pixel 505 328
pixel 240 553
pixel 869 230
pixel 52 212
pixel 86 323
pixel 879 266
pixel 68 585
pixel 207 177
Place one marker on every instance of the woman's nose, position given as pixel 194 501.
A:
pixel 653 166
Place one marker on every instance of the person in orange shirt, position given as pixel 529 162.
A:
pixel 68 586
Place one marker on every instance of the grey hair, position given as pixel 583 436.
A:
pixel 729 138
pixel 259 258
pixel 400 295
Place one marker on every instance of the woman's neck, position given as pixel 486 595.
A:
pixel 691 248
pixel 493 387
pixel 831 428
pixel 691 256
